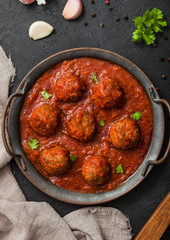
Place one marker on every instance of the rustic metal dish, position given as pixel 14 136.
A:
pixel 13 146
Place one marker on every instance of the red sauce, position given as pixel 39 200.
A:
pixel 135 99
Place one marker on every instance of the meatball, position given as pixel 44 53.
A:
pixel 95 170
pixel 125 133
pixel 55 160
pixel 107 94
pixel 81 126
pixel 69 88
pixel 44 120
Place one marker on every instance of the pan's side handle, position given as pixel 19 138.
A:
pixel 153 162
pixel 4 130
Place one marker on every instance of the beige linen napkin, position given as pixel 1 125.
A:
pixel 22 220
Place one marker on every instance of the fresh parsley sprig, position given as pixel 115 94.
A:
pixel 150 23
pixel 119 169
pixel 94 78
pixel 73 158
pixel 102 123
pixel 45 94
pixel 136 116
pixel 33 143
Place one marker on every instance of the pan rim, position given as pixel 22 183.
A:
pixel 88 200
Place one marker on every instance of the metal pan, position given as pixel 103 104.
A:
pixel 13 146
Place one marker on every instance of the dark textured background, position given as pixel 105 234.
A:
pixel 15 19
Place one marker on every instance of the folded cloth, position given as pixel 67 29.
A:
pixel 24 220
pixel 7 72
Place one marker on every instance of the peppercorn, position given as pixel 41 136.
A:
pixel 92 1
pixel 154 45
pixel 93 14
pixel 111 8
pixel 101 25
pixel 168 59
pixel 85 23
pixel 107 2
pixel 162 59
pixel 165 37
pixel 117 19
pixel 164 76
pixel 126 17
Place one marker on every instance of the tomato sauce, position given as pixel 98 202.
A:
pixel 135 99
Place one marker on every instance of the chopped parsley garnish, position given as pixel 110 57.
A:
pixel 94 78
pixel 136 116
pixel 33 143
pixel 73 158
pixel 102 123
pixel 45 94
pixel 150 23
pixel 119 169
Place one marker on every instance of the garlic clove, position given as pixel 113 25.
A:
pixel 72 9
pixel 40 29
pixel 41 2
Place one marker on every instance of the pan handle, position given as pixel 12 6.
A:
pixel 4 130
pixel 153 162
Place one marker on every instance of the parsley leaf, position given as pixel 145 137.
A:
pixel 150 23
pixel 45 94
pixel 119 169
pixel 102 123
pixel 147 18
pixel 158 20
pixel 94 77
pixel 73 158
pixel 136 116
pixel 148 36
pixel 138 23
pixel 137 35
pixel 33 143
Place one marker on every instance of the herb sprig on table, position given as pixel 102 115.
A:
pixel 150 23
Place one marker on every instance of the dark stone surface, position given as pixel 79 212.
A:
pixel 15 19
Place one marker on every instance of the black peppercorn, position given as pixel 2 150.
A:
pixel 117 19
pixel 92 1
pixel 85 23
pixel 126 17
pixel 111 8
pixel 168 59
pixel 162 59
pixel 165 37
pixel 93 14
pixel 164 76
